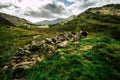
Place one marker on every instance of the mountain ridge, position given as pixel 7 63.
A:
pixel 56 21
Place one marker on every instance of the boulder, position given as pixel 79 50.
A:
pixel 62 45
pixel 83 33
pixel 54 39
pixel 51 47
pixel 35 43
pixel 35 46
pixel 48 40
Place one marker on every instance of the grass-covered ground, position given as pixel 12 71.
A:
pixel 13 38
pixel 91 58
pixel 96 57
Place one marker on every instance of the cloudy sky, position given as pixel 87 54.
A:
pixel 38 10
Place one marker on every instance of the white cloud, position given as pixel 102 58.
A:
pixel 38 10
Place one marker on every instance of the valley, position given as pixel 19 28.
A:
pixel 28 52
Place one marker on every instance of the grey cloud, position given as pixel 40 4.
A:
pixel 47 11
pixel 5 5
pixel 19 0
pixel 53 8
pixel 88 4
pixel 39 14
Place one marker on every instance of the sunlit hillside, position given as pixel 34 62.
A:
pixel 104 19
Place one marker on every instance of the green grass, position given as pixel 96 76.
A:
pixel 11 39
pixel 14 37
pixel 100 62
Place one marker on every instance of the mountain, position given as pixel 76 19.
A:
pixel 100 19
pixel 46 22
pixel 11 20
pixel 4 22
pixel 59 20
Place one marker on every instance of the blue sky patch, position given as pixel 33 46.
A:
pixel 66 2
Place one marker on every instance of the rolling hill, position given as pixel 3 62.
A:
pixel 11 20
pixel 102 19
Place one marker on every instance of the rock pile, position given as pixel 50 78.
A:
pixel 33 52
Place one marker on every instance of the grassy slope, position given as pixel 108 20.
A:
pixel 14 20
pixel 93 58
pixel 15 37
pixel 11 39
pixel 105 19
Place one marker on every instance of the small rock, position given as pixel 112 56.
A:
pixel 39 59
pixel 27 51
pixel 20 52
pixel 54 39
pixel 42 42
pixel 76 42
pixel 5 67
pixel 27 47
pixel 62 53
pixel 14 57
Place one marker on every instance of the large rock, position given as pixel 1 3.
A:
pixel 83 33
pixel 48 40
pixel 51 47
pixel 62 45
pixel 35 46
pixel 54 39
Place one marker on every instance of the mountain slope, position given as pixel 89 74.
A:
pixel 12 19
pixel 4 22
pixel 103 19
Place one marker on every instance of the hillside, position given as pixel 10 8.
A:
pixel 60 52
pixel 103 19
pixel 12 19
pixel 4 22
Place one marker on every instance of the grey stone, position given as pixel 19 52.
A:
pixel 62 45
pixel 48 40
